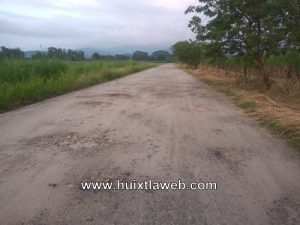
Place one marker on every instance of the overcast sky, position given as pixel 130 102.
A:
pixel 29 24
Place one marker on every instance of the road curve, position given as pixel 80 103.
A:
pixel 160 124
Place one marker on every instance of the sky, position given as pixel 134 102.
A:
pixel 100 24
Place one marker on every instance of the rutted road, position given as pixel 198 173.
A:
pixel 160 124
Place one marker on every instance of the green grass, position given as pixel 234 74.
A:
pixel 249 106
pixel 227 90
pixel 26 81
pixel 208 81
pixel 219 86
pixel 288 132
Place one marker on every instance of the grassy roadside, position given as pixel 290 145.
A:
pixel 24 82
pixel 281 120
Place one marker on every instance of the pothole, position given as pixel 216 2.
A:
pixel 72 141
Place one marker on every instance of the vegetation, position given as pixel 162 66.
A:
pixel 268 114
pixel 161 56
pixel 59 53
pixel 249 37
pixel 77 55
pixel 249 106
pixel 97 56
pixel 158 56
pixel 253 30
pixel 188 52
pixel 24 81
pixel 140 55
pixel 65 54
pixel 9 53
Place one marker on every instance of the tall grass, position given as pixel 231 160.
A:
pixel 27 81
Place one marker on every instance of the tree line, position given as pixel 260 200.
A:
pixel 8 53
pixel 59 53
pixel 258 34
pixel 160 55
pixel 77 55
pixel 52 52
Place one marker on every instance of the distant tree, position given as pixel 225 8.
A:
pixel 39 55
pixel 139 55
pixel 109 57
pixel 122 57
pixel 54 52
pixel 188 52
pixel 80 55
pixel 8 53
pixel 257 28
pixel 65 54
pixel 161 55
pixel 96 55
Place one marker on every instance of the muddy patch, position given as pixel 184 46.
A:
pixel 117 95
pixel 112 95
pixel 232 153
pixel 165 94
pixel 87 96
pixel 95 103
pixel 231 158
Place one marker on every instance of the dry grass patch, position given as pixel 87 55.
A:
pixel 280 118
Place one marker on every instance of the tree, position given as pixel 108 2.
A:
pixel 122 57
pixel 96 55
pixel 139 55
pixel 65 54
pixel 257 28
pixel 188 52
pixel 39 55
pixel 161 56
pixel 8 53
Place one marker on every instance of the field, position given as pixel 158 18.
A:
pixel 26 81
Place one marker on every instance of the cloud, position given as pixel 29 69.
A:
pixel 94 23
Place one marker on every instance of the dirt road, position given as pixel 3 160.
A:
pixel 160 124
